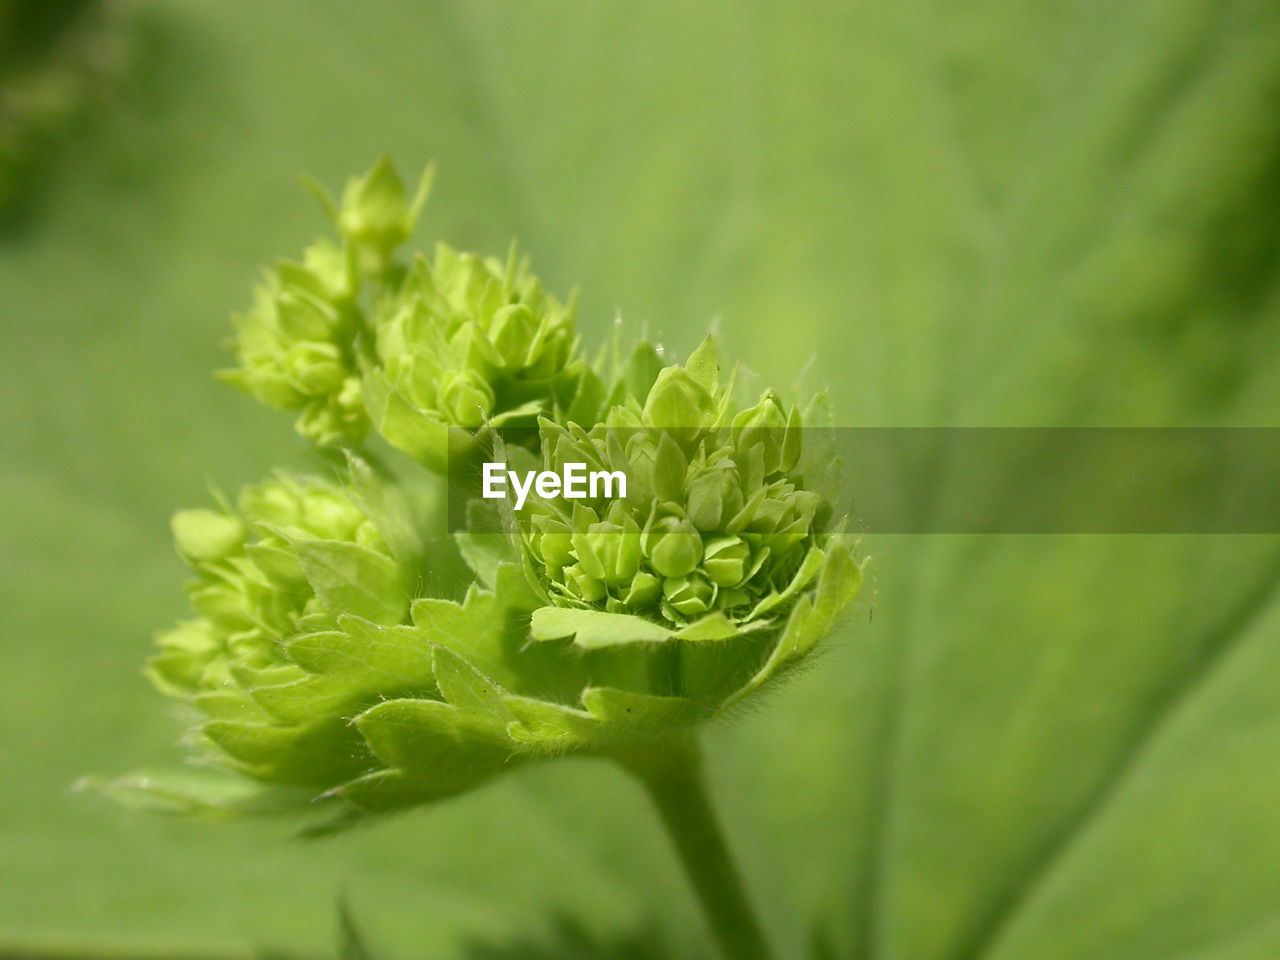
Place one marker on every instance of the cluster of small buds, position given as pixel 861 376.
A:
pixel 715 532
pixel 250 587
pixel 471 342
pixel 298 346
pixel 324 654
pixel 350 336
pixel 295 346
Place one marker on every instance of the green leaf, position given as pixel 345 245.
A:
pixel 485 545
pixel 306 755
pixel 489 629
pixel 464 686
pixel 347 667
pixel 550 726
pixel 434 750
pixel 353 579
pixel 814 616
pixel 640 713
pixel 197 794
pixel 408 505
pixel 593 629
pixel 985 213
pixel 609 717
pixel 404 426
pixel 362 647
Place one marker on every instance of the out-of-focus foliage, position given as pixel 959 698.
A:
pixel 57 58
pixel 568 939
pixel 987 212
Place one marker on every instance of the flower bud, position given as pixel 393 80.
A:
pixel 689 596
pixel 294 349
pixel 714 497
pixel 468 342
pixel 641 593
pixel 466 399
pixel 316 367
pixel 725 535
pixel 669 469
pixel 513 334
pixel 768 426
pixel 204 536
pixel 725 560
pixel 677 401
pixel 672 546
pixel 377 215
pixel 585 583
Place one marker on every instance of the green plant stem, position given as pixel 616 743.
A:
pixel 672 775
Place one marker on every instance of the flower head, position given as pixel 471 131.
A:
pixel 297 558
pixel 716 535
pixel 433 351
pixel 296 345
pixel 322 666
pixel 327 656
pixel 466 343
pixel 377 214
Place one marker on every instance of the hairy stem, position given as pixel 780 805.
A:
pixel 673 777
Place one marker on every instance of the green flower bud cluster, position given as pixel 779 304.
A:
pixel 716 537
pixel 450 343
pixel 329 653
pixel 470 342
pixel 296 558
pixel 249 588
pixel 295 346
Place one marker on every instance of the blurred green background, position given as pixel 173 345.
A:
pixel 964 212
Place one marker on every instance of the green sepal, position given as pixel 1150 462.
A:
pixel 317 754
pixel 594 629
pixel 715 626
pixel 349 666
pixel 813 615
pixel 465 687
pixel 809 568
pixel 608 716
pixel 635 379
pixel 199 794
pixel 640 714
pixel 703 365
pixel 421 435
pixel 432 749
pixel 678 401
pixel 348 577
pixel 489 627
